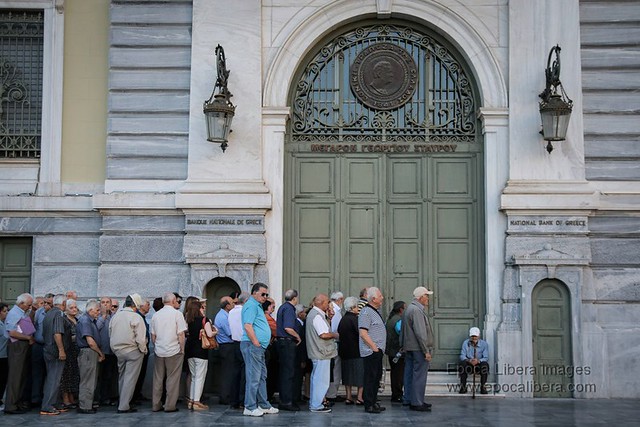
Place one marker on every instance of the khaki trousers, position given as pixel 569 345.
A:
pixel 129 365
pixel 171 367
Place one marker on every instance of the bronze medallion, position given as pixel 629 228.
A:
pixel 384 76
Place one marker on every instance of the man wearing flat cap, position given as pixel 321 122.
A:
pixel 417 341
pixel 128 339
pixel 474 357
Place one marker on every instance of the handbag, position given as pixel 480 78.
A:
pixel 208 343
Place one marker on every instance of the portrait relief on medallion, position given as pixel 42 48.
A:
pixel 383 76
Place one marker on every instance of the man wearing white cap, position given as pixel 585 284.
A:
pixel 128 339
pixel 474 356
pixel 417 341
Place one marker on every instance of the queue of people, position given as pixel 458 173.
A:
pixel 98 357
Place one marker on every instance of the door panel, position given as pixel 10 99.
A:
pixel 395 222
pixel 15 267
pixel 551 324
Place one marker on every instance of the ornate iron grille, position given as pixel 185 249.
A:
pixel 21 53
pixel 442 108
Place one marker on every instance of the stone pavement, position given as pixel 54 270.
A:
pixel 447 411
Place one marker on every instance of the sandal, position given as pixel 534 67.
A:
pixel 349 402
pixel 359 402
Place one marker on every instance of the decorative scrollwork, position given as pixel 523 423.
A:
pixel 442 106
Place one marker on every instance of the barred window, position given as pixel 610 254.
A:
pixel 21 75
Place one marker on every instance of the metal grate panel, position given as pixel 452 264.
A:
pixel 442 108
pixel 21 69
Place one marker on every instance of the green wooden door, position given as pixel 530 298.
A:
pixel 15 267
pixel 551 312
pixel 395 222
pixel 385 188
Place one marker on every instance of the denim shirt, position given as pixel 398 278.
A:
pixel 482 351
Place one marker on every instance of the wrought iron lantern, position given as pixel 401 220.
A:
pixel 555 107
pixel 218 109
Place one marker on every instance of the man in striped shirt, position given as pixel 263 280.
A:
pixel 373 339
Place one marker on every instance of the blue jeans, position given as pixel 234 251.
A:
pixel 416 368
pixel 256 376
pixel 320 379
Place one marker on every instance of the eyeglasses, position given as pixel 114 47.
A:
pixel 264 295
pixel 114 306
pixel 179 301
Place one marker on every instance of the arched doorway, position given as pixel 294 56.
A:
pixel 213 291
pixel 551 322
pixel 216 289
pixel 384 175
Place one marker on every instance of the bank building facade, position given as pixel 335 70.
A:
pixel 388 143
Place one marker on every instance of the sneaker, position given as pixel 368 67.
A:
pixel 51 412
pixel 270 410
pixel 324 409
pixel 255 413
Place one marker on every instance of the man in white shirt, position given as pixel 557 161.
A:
pixel 337 298
pixel 168 329
pixel 321 348
pixel 237 368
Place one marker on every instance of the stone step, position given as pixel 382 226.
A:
pixel 443 384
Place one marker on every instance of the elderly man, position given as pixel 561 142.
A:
pixel 337 298
pixel 54 355
pixel 143 310
pixel 287 339
pixel 238 369
pixel 321 348
pixel 474 358
pixel 128 339
pixel 227 352
pixel 168 329
pixel 108 369
pixel 19 331
pixel 90 354
pixel 255 340
pixel 38 369
pixel 372 343
pixel 417 341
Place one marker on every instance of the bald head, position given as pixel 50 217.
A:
pixel 321 301
pixel 226 303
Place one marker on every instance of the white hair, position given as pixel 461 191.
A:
pixel 349 303
pixel 59 299
pixel 372 292
pixel 22 298
pixel 335 296
pixel 91 304
pixel 169 297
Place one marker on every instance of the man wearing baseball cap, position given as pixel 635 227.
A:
pixel 417 341
pixel 474 357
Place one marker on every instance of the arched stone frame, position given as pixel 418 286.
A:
pixel 516 339
pixel 493 114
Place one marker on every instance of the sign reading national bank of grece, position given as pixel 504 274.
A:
pixel 548 224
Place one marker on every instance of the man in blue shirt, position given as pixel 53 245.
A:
pixel 20 342
pixel 474 358
pixel 88 339
pixel 221 322
pixel 287 339
pixel 255 339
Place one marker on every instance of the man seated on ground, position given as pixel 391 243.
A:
pixel 474 357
